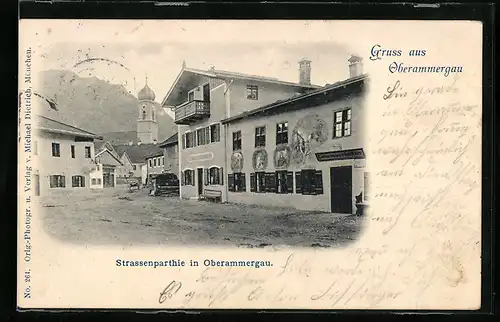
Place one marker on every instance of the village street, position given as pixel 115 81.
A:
pixel 118 216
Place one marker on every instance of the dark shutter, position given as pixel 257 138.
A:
pixel 183 178
pixel 298 182
pixel 253 182
pixel 221 173
pixel 319 182
pixel 289 181
pixel 183 141
pixel 206 172
pixel 271 184
pixel 243 182
pixel 230 182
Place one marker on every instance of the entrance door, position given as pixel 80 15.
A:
pixel 108 178
pixel 206 93
pixel 341 189
pixel 36 179
pixel 200 181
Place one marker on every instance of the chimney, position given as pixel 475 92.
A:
pixel 305 71
pixel 355 66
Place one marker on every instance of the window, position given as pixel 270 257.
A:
pixel 366 184
pixel 134 167
pixel 284 182
pixel 258 182
pixel 35 147
pixel 78 181
pixel 309 182
pixel 202 136
pixel 239 182
pixel 190 96
pixel 215 132
pixel 236 182
pixel 260 136
pixel 57 181
pixel 282 133
pixel 56 150
pixel 150 163
pixel 93 181
pixel 188 177
pixel 237 140
pixel 87 152
pixel 99 181
pixel 98 168
pixel 190 140
pixel 252 92
pixel 162 160
pixel 72 151
pixel 143 115
pixel 153 115
pixel 342 123
pixel 213 176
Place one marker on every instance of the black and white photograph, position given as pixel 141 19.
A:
pixel 204 149
pixel 237 164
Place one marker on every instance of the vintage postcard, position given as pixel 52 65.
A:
pixel 205 164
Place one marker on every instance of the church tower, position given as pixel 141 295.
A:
pixel 147 124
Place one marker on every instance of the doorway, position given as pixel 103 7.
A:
pixel 36 179
pixel 206 93
pixel 199 180
pixel 341 189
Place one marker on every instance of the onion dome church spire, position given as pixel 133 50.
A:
pixel 146 94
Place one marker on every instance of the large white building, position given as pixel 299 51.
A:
pixel 63 156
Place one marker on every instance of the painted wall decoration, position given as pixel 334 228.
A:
pixel 282 155
pixel 237 161
pixel 309 133
pixel 259 160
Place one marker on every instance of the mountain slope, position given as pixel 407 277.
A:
pixel 95 105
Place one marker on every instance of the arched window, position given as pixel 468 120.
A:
pixel 214 175
pixel 188 177
pixel 143 115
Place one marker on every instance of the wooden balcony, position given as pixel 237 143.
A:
pixel 190 112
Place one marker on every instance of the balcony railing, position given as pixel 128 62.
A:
pixel 192 111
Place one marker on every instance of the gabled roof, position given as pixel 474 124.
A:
pixel 173 140
pixel 107 158
pixel 154 154
pixel 137 153
pixel 106 145
pixel 52 126
pixel 222 74
pixel 267 108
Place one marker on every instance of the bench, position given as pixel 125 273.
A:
pixel 210 194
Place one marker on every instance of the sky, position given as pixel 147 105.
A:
pixel 128 51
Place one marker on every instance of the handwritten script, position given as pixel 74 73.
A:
pixel 423 227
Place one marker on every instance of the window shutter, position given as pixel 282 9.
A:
pixel 230 182
pixel 272 182
pixel 243 183
pixel 183 178
pixel 206 176
pixel 289 181
pixel 83 181
pixel 318 182
pixel 184 141
pixel 253 182
pixel 221 173
pixel 298 182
